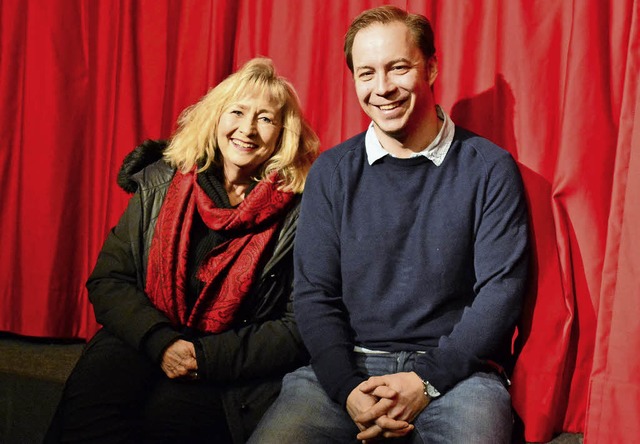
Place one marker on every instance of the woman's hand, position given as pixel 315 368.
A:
pixel 179 360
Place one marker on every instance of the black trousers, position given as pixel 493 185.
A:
pixel 115 394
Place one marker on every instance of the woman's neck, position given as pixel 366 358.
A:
pixel 236 188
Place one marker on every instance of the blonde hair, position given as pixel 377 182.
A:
pixel 194 142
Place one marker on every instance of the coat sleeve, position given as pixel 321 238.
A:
pixel 258 350
pixel 266 342
pixel 114 286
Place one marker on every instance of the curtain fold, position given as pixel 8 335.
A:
pixel 82 82
pixel 614 389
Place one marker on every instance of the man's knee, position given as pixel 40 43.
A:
pixel 304 413
pixel 478 409
pixel 297 403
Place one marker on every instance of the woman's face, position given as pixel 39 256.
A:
pixel 247 134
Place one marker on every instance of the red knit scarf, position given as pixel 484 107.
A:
pixel 229 270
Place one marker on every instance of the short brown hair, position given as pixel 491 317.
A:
pixel 419 26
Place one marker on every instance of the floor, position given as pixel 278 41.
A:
pixel 568 438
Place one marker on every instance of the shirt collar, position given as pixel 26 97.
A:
pixel 435 151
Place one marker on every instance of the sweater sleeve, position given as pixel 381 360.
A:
pixel 322 318
pixel 119 303
pixel 501 267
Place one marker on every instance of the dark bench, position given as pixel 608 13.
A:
pixel 32 374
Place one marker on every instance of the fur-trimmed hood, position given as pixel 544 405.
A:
pixel 143 155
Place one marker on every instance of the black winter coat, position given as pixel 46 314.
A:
pixel 250 359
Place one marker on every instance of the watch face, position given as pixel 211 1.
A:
pixel 431 390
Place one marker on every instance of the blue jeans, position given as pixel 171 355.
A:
pixel 476 410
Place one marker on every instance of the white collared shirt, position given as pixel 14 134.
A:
pixel 435 152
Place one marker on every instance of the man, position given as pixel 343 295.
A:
pixel 411 264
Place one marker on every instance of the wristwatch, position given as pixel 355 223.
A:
pixel 429 390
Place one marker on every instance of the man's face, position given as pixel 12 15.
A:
pixel 393 80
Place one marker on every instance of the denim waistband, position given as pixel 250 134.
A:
pixel 367 351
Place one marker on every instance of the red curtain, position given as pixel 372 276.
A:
pixel 556 84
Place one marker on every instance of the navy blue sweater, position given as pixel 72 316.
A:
pixel 407 255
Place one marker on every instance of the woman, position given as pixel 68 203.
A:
pixel 193 286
